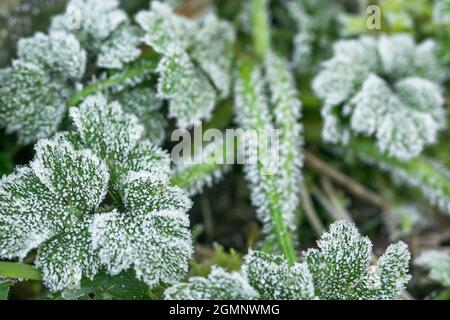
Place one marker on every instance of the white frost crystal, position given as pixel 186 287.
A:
pixel 190 65
pixel 438 263
pixel 274 279
pixel 121 48
pixel 118 138
pixel 153 235
pixel 59 53
pixel 31 105
pixel 144 103
pixel 388 89
pixel 91 21
pixel 219 285
pixel 192 98
pixel 103 29
pixel 339 269
pixel 164 28
pixel 57 204
pixel 212 50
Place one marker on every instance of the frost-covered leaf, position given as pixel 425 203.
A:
pixel 146 192
pixel 396 54
pixel 192 97
pixel 116 137
pixel 315 22
pixel 219 285
pixel 106 129
pixel 341 268
pixel 68 257
pixel 164 29
pixel 212 50
pixel 353 61
pixel 157 245
pixel 148 157
pixel 274 279
pixel 59 53
pixel 31 105
pixel 121 48
pixel 29 213
pixel 388 89
pixel 287 109
pixel 48 206
pixel 404 121
pixel 426 62
pixel 79 178
pixel 152 235
pixel 144 103
pixel 438 263
pixel 91 21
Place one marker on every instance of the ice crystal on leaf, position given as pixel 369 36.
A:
pixel 91 21
pixel 216 59
pixel 58 53
pixel 388 89
pixel 102 28
pixel 117 137
pixel 164 28
pixel 313 19
pixel 144 103
pixel 438 263
pixel 339 269
pixel 191 70
pixel 192 97
pixel 31 104
pixel 274 279
pixel 58 203
pixel 152 237
pixel 121 48
pixel 48 206
pixel 219 285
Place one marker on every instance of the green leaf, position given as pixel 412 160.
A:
pixel 192 97
pixel 163 28
pixel 106 129
pixel 215 60
pixel 58 53
pixel 103 286
pixel 121 48
pixel 68 257
pixel 31 104
pixel 157 245
pixel 341 268
pixel 29 213
pixel 79 178
pixel 274 279
pixel 144 103
pixel 219 285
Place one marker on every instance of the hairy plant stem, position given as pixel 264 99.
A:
pixel 255 110
pixel 147 66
